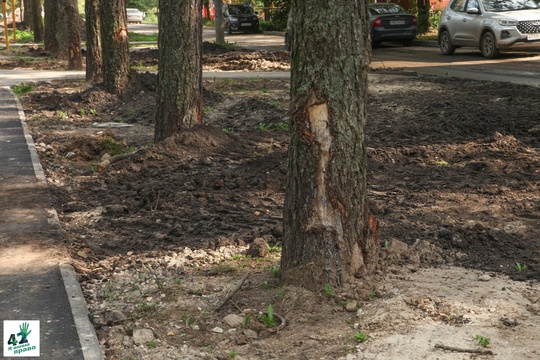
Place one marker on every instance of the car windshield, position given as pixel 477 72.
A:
pixel 385 9
pixel 133 11
pixel 509 5
pixel 239 10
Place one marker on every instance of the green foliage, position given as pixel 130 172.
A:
pixel 276 270
pixel 482 340
pixel 152 344
pixel 232 354
pixel 23 36
pixel 328 292
pixel 145 309
pixel 360 337
pixel 247 321
pixel 21 89
pixel 275 248
pixel 521 267
pixel 272 26
pixel 93 112
pixel 142 37
pixel 373 293
pixel 268 319
pixel 62 114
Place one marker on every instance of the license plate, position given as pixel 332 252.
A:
pixel 533 37
pixel 397 22
pixel 245 24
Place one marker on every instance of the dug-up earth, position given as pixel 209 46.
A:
pixel 162 234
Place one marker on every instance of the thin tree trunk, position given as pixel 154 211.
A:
pixel 218 22
pixel 51 21
pixel 94 58
pixel 115 45
pixel 179 93
pixel 37 21
pixel 68 34
pixel 27 14
pixel 329 237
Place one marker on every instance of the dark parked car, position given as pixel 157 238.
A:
pixel 390 22
pixel 240 17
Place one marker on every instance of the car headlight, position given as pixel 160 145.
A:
pixel 232 18
pixel 508 22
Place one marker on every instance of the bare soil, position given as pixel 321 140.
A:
pixel 160 238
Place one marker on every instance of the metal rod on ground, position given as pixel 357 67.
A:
pixel 5 23
pixel 14 21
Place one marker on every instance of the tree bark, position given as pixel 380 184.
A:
pixel 329 237
pixel 68 34
pixel 179 91
pixel 37 21
pixel 94 58
pixel 115 45
pixel 51 22
pixel 27 14
pixel 218 22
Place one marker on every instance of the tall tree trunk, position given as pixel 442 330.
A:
pixel 27 14
pixel 69 34
pixel 179 92
pixel 115 45
pixel 94 59
pixel 51 22
pixel 218 22
pixel 329 237
pixel 37 21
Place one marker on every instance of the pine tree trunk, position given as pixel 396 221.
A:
pixel 179 93
pixel 27 14
pixel 115 45
pixel 51 21
pixel 329 237
pixel 94 59
pixel 68 34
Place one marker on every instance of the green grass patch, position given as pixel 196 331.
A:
pixel 142 37
pixel 23 36
pixel 21 89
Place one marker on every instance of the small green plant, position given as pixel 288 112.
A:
pixel 281 294
pixel 276 270
pixel 386 244
pixel 373 293
pixel 275 248
pixel 360 337
pixel 230 46
pixel 328 292
pixel 232 354
pixel 206 109
pixel 273 103
pixel 264 91
pixel 223 82
pixel 82 112
pixel 521 267
pixel 152 344
pixel 145 309
pixel 482 340
pixel 21 89
pixel 247 322
pixel 280 126
pixel 228 130
pixel 262 126
pixel 266 285
pixel 268 319
pixel 133 112
pixel 62 114
pixel 93 112
pixel 108 290
pixel 442 163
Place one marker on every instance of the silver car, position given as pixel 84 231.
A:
pixel 490 25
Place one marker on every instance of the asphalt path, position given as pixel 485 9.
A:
pixel 520 67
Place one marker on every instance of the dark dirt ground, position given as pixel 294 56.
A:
pixel 454 167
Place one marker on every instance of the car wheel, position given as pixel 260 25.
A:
pixel 407 43
pixel 488 46
pixel 229 30
pixel 445 44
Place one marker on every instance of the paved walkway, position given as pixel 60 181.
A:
pixel 34 284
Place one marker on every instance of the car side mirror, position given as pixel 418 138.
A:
pixel 473 11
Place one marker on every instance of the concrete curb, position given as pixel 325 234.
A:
pixel 85 330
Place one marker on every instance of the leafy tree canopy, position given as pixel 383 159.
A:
pixel 142 5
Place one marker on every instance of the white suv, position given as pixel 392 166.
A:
pixel 491 25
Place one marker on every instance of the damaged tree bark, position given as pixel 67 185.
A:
pixel 329 236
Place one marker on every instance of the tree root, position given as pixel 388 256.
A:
pixel 473 351
pixel 107 160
